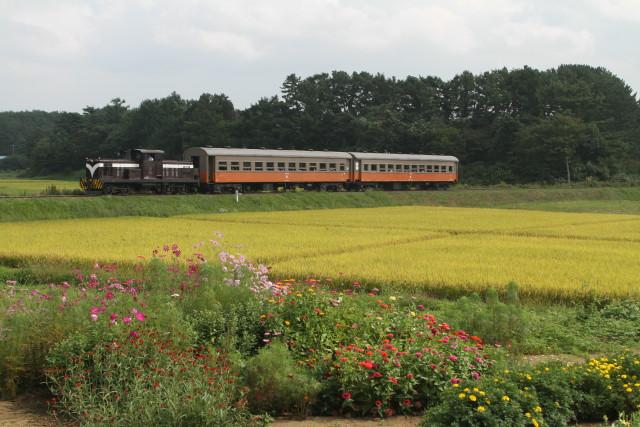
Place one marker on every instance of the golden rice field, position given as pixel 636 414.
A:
pixel 445 250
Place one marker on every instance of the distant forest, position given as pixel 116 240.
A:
pixel 513 126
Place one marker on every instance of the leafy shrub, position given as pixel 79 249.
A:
pixel 495 321
pixel 277 383
pixel 143 379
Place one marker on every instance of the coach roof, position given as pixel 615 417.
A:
pixel 389 156
pixel 252 152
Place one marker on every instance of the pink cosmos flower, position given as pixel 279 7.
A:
pixel 140 316
pixel 134 334
pixel 126 320
pixel 94 317
pixel 453 358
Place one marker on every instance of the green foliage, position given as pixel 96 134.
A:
pixel 120 379
pixel 498 322
pixel 277 384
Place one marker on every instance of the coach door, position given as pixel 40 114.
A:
pixel 212 169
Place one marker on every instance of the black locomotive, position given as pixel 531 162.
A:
pixel 139 170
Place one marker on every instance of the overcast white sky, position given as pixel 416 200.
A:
pixel 65 54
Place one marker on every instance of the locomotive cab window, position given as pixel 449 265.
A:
pixel 259 166
pixel 246 166
pixel 269 166
pixel 235 166
pixel 222 166
pixel 281 167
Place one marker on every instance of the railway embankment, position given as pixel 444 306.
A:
pixel 599 199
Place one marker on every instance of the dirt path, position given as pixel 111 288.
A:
pixel 346 422
pixel 16 414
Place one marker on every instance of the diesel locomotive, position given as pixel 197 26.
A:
pixel 216 170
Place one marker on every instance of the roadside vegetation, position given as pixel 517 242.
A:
pixel 204 337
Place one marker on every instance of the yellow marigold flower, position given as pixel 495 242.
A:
pixel 629 390
pixel 467 389
pixel 623 376
pixel 527 414
pixel 413 313
pixel 456 385
pixel 472 398
pixel 481 393
pixel 461 396
pixel 537 409
pixel 286 322
pixel 529 377
pixel 392 298
pixel 535 423
pixel 609 387
pixel 505 398
pixel 476 389
pixel 481 408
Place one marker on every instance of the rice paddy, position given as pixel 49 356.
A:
pixel 436 249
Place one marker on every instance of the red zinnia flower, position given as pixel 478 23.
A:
pixel 367 364
pixel 346 396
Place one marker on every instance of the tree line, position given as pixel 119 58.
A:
pixel 516 126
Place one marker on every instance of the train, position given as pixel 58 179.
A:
pixel 221 170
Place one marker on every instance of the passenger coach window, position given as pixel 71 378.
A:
pixel 281 166
pixel 436 168
pixel 406 168
pixel 323 166
pixel 421 168
pixel 246 166
pixel 235 166
pixel 383 168
pixel 429 168
pixel 365 167
pixel 450 168
pixel 342 168
pixel 374 168
pixel 389 168
pixel 414 168
pixel 222 166
pixel 302 167
pixel 292 166
pixel 332 167
pixel 258 166
pixel 398 168
pixel 313 167
pixel 269 166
